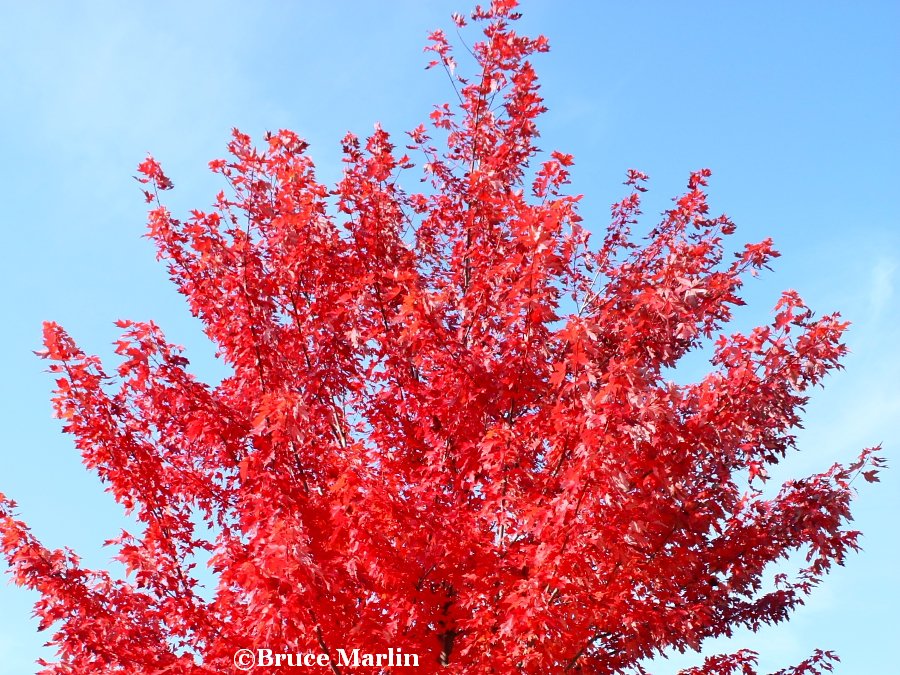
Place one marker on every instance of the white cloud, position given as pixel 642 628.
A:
pixel 882 285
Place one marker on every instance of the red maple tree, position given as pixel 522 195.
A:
pixel 447 428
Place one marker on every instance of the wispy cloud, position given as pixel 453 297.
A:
pixel 882 284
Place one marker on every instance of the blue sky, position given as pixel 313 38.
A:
pixel 793 105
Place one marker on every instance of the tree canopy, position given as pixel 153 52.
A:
pixel 449 425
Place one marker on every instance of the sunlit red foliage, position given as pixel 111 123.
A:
pixel 449 425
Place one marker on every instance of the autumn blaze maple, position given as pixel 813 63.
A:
pixel 447 427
